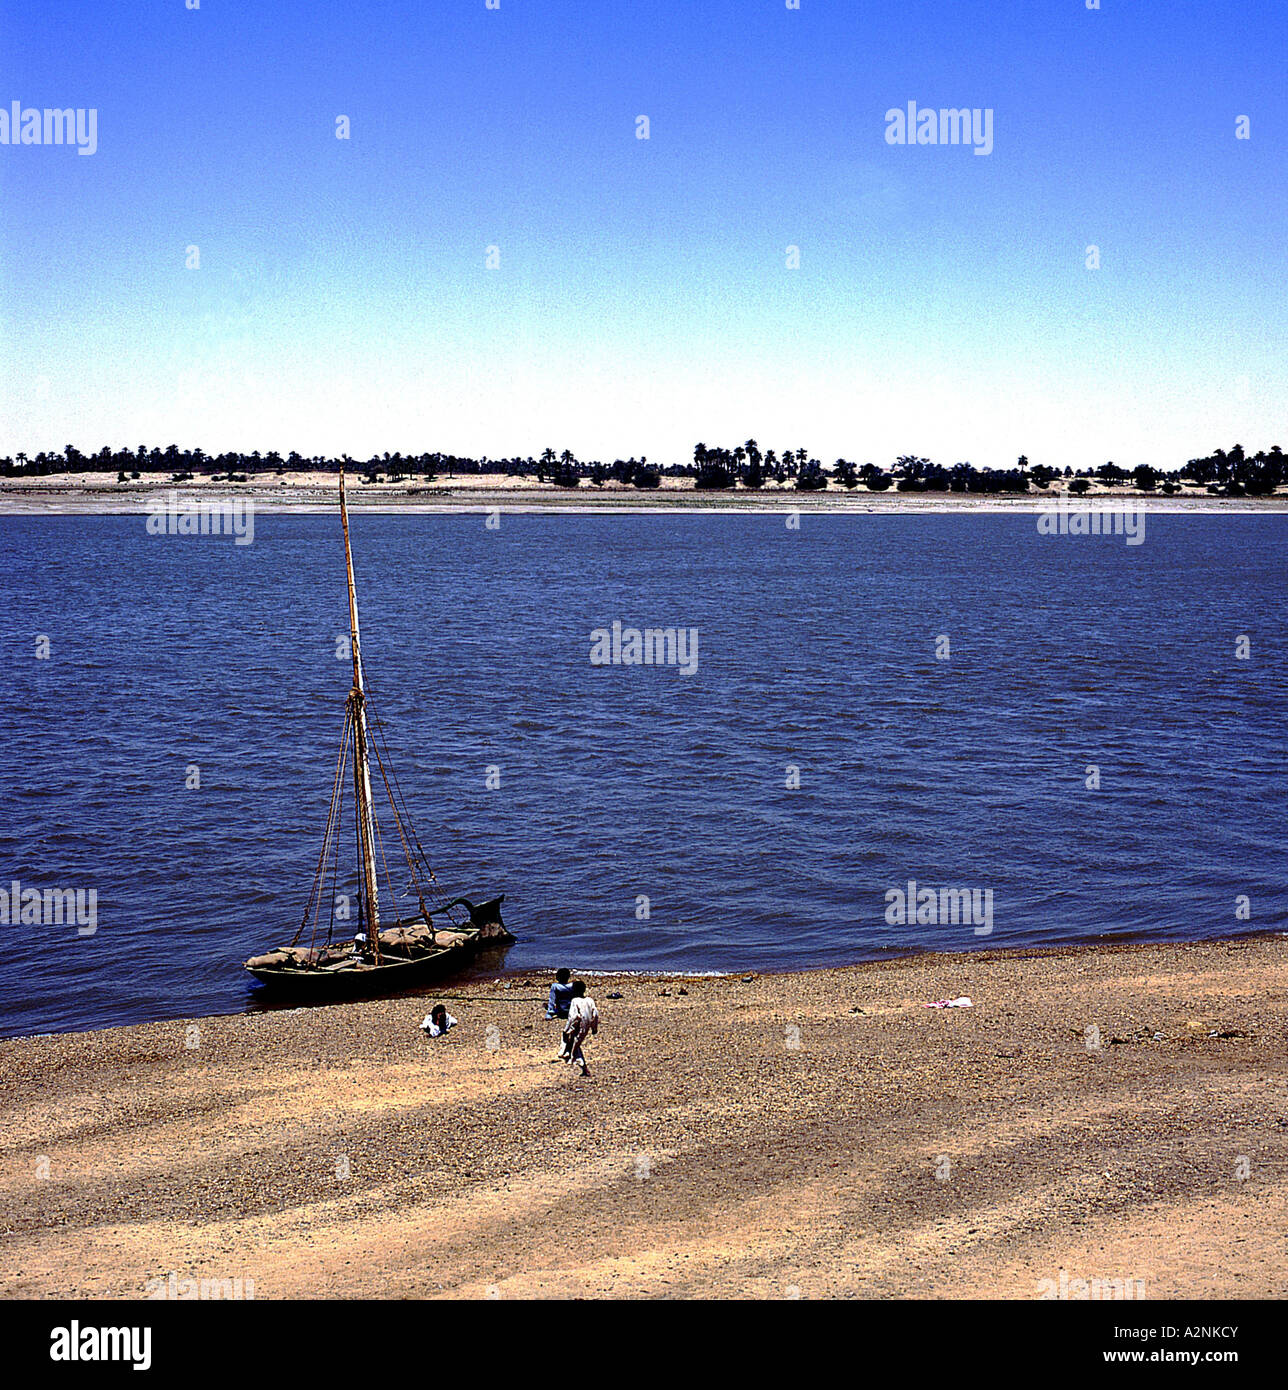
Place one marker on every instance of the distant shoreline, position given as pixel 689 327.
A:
pixel 91 495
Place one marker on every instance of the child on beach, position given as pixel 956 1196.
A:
pixel 437 1021
pixel 560 996
pixel 583 1020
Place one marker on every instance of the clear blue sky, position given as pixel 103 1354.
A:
pixel 642 302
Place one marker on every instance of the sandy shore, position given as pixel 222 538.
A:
pixel 101 494
pixel 896 1151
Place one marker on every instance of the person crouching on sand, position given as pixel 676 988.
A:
pixel 583 1020
pixel 437 1021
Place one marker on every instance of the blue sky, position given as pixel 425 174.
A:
pixel 642 302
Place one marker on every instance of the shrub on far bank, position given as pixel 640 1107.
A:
pixel 811 477
pixel 711 476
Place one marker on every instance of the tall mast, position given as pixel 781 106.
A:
pixel 361 768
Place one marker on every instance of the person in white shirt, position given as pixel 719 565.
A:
pixel 583 1020
pixel 437 1021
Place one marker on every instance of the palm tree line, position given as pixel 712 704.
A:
pixel 1232 473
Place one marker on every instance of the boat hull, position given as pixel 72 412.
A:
pixel 394 971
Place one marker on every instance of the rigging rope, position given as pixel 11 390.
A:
pixel 380 730
pixel 335 853
pixel 364 907
pixel 386 773
pixel 326 837
pixel 332 835
pixel 411 864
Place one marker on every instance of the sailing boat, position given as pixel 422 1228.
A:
pixel 381 956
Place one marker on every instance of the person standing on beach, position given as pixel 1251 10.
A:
pixel 560 996
pixel 583 1020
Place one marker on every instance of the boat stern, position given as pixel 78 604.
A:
pixel 485 918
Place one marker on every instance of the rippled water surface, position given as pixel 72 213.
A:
pixel 817 650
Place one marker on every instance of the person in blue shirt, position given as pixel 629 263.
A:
pixel 560 995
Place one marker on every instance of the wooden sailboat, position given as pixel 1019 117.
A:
pixel 381 956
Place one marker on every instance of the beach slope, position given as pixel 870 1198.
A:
pixel 1112 1114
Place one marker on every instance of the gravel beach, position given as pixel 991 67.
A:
pixel 806 1135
